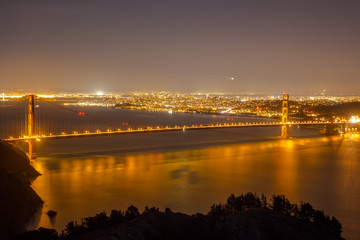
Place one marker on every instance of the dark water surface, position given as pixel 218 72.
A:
pixel 188 171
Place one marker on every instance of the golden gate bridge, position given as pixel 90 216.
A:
pixel 28 124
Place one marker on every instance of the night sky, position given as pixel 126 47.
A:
pixel 254 46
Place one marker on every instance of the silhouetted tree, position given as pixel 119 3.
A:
pixel 323 220
pixel 234 204
pixel 132 212
pixel 281 204
pixel 100 220
pixel 335 226
pixel 116 217
pixel 198 215
pixel 148 210
pixel 72 229
pixel 168 210
pixel 295 211
pixel 320 218
pixel 251 201
pixel 217 210
pixel 264 202
pixel 306 211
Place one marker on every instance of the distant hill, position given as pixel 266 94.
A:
pixel 345 109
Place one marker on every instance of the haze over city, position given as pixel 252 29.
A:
pixel 225 46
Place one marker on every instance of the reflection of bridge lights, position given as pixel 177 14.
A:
pixel 351 135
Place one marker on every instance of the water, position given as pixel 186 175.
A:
pixel 188 171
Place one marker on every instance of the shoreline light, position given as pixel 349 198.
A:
pixel 355 119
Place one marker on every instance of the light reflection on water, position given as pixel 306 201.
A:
pixel 164 171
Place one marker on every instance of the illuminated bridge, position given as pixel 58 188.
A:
pixel 25 121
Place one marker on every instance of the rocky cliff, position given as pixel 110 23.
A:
pixel 18 201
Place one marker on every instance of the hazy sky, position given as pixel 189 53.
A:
pixel 233 46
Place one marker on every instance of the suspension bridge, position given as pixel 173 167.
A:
pixel 29 124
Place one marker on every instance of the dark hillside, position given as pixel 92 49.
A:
pixel 15 161
pixel 257 224
pixel 18 201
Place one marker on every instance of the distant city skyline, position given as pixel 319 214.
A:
pixel 10 93
pixel 258 47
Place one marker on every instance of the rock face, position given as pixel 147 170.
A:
pixel 18 201
pixel 258 224
pixel 15 161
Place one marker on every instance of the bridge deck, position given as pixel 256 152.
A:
pixel 167 129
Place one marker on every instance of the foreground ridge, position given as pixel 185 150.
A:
pixel 242 217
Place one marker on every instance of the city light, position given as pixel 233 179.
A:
pixel 46 95
pixel 355 119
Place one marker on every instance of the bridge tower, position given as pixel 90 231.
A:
pixel 31 128
pixel 284 116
